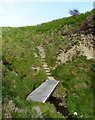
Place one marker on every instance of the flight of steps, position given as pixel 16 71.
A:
pixel 44 63
pixel 43 92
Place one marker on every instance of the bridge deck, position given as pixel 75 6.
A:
pixel 42 93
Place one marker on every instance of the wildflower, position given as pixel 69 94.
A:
pixel 75 113
pixel 16 109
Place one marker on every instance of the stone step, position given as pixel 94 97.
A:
pixel 45 65
pixel 43 60
pixel 48 73
pixel 51 78
pixel 42 57
pixel 42 53
pixel 45 68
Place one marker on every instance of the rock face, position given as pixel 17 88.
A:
pixel 84 46
pixel 88 25
pixel 81 41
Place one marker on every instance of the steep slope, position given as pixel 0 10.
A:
pixel 68 53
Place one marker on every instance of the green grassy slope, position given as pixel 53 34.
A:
pixel 77 78
pixel 19 77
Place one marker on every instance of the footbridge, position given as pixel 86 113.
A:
pixel 43 92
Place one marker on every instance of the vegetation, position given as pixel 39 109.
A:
pixel 21 77
pixel 77 78
pixel 74 12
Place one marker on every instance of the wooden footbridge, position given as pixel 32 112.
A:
pixel 43 92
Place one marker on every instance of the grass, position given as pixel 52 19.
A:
pixel 57 24
pixel 77 78
pixel 17 88
pixel 20 79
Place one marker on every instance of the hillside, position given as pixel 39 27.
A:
pixel 67 45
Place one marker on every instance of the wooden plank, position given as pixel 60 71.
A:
pixel 42 93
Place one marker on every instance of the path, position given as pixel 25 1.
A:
pixel 44 63
pixel 43 92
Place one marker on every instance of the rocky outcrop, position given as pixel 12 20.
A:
pixel 80 45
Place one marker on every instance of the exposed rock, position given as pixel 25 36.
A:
pixel 84 47
pixel 36 67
